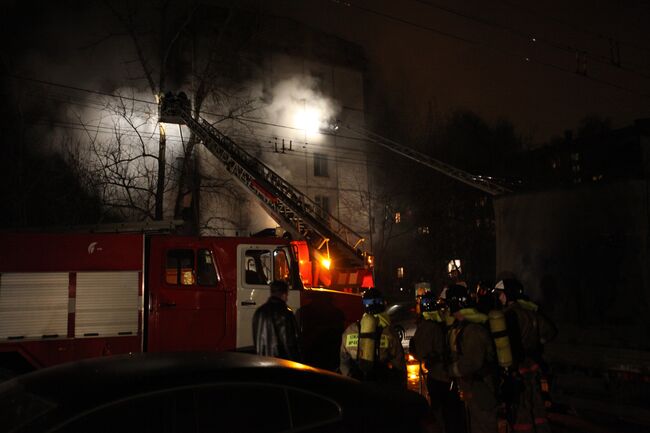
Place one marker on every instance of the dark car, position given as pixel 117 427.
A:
pixel 215 392
pixel 404 320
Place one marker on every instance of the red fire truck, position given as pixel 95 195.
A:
pixel 71 296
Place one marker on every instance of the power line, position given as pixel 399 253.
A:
pixel 527 59
pixel 535 39
pixel 274 139
pixel 128 98
pixel 404 21
pixel 537 15
pixel 78 126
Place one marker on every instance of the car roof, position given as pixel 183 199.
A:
pixel 81 386
pixel 400 306
pixel 150 371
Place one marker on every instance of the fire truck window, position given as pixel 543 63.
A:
pixel 242 408
pixel 281 266
pixel 180 267
pixel 311 412
pixel 258 267
pixel 206 274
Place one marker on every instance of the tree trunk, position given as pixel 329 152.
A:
pixel 160 185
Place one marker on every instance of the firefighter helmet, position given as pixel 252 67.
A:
pixel 457 297
pixel 373 301
pixel 512 288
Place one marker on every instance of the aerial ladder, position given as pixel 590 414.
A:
pixel 294 211
pixel 482 183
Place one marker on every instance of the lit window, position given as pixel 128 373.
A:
pixel 320 165
pixel 400 272
pixel 454 266
pixel 398 217
pixel 424 230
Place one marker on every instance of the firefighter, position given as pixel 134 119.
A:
pixel 429 346
pixel 528 331
pixel 482 297
pixel 472 362
pixel 275 330
pixel 370 348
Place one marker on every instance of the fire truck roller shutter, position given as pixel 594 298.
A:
pixel 33 305
pixel 107 303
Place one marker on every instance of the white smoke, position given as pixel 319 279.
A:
pixel 297 102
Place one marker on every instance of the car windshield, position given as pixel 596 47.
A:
pixel 401 309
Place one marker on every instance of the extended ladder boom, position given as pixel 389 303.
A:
pixel 478 182
pixel 293 210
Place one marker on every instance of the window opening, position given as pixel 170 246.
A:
pixel 320 165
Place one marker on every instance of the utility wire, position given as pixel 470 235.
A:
pixel 575 28
pixel 78 126
pixel 129 98
pixel 273 139
pixel 527 59
pixel 535 39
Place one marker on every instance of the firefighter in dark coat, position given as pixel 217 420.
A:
pixel 472 362
pixel 275 330
pixel 528 331
pixel 370 348
pixel 429 346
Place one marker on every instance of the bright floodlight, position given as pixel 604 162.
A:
pixel 308 119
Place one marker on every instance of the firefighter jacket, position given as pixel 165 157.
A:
pixel 528 331
pixel 428 346
pixel 472 352
pixel 389 364
pixel 275 331
pixel 473 369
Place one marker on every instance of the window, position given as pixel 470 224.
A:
pixel 207 409
pixel 322 205
pixel 167 411
pixel 281 268
pixel 227 408
pixel 400 272
pixel 180 267
pixel 398 217
pixel 423 230
pixel 206 274
pixel 257 267
pixel 320 165
pixel 312 411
